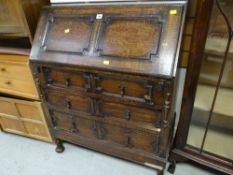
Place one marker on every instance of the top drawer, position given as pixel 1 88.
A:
pixel 16 71
pixel 66 79
pixel 120 87
pixel 139 90
pixel 15 66
pixel 16 77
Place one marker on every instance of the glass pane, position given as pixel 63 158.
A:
pixel 219 139
pixel 212 61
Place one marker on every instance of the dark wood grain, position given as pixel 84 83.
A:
pixel 115 40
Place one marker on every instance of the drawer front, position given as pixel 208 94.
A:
pixel 29 111
pixel 12 125
pixel 15 71
pixel 24 118
pixel 128 138
pixel 78 103
pixel 8 108
pixel 72 124
pixel 118 86
pixel 21 109
pixel 36 130
pixel 130 113
pixel 148 92
pixel 125 137
pixel 25 88
pixel 66 79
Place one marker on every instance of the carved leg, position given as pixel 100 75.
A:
pixel 60 148
pixel 172 167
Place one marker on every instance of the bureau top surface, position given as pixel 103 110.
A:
pixel 134 37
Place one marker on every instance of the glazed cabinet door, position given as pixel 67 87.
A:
pixel 212 115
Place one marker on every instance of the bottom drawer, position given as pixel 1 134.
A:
pixel 104 132
pixel 36 130
pixel 128 138
pixel 139 156
pixel 24 118
pixel 72 124
pixel 12 125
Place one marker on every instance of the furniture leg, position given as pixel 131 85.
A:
pixel 172 167
pixel 60 148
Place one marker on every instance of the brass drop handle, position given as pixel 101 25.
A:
pixel 127 139
pixel 128 115
pixel 128 142
pixel 67 82
pixel 99 89
pixel 50 81
pixel 87 77
pixel 68 104
pixel 122 87
pixel 73 128
pixel 148 96
pixel 99 130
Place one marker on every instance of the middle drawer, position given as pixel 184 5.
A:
pixel 83 104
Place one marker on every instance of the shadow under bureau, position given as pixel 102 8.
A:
pixel 106 73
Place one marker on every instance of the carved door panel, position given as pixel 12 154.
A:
pixel 74 32
pixel 130 36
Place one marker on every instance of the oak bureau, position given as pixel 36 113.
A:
pixel 106 73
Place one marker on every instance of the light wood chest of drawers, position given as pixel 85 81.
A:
pixel 20 109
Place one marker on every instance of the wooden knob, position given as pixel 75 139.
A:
pixel 3 69
pixel 8 82
pixel 122 88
